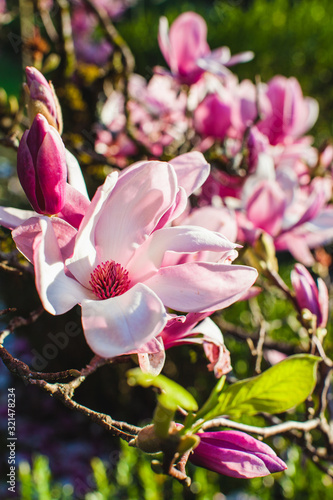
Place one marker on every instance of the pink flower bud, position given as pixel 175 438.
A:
pixel 42 98
pixel 309 295
pixel 41 167
pixel 236 454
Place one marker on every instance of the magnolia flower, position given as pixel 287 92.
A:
pixel 212 117
pixel 297 217
pixel 187 52
pixel 236 454
pixel 113 265
pixel 157 114
pixel 309 295
pixel 291 114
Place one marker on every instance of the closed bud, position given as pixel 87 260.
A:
pixel 41 98
pixel 235 454
pixel 309 295
pixel 41 167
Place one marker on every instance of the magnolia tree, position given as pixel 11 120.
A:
pixel 209 180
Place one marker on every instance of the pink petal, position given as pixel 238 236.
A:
pixel 188 42
pixel 180 239
pixel 242 57
pixel 132 212
pixel 297 246
pixel 191 169
pixel 233 463
pixel 75 207
pixel 152 359
pixel 180 328
pixel 74 173
pixel 175 210
pixel 323 299
pixel 13 217
pixel 83 261
pixel 124 323
pixel 163 38
pixel 152 363
pixel 58 292
pixel 221 220
pixel 266 206
pixel 199 286
pixel 25 234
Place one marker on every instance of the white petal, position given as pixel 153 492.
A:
pixel 84 258
pixel 13 217
pixel 74 174
pixel 191 169
pixel 122 324
pixel 182 239
pixel 153 362
pixel 58 292
pixel 138 201
pixel 210 331
pixel 201 286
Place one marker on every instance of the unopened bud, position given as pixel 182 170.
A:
pixel 41 167
pixel 41 98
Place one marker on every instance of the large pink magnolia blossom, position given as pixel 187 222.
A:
pixel 187 52
pixel 236 454
pixel 113 265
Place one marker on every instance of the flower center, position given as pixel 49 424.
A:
pixel 109 279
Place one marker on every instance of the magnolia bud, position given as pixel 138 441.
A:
pixel 42 99
pixel 309 295
pixel 41 167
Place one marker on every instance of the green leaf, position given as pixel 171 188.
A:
pixel 278 389
pixel 173 394
pixel 209 405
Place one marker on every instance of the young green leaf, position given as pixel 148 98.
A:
pixel 278 389
pixel 173 394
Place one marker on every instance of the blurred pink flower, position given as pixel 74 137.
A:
pixel 291 114
pixel 156 115
pixel 3 7
pixel 212 117
pixel 297 217
pixel 187 52
pixel 309 295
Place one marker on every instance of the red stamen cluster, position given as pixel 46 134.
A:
pixel 109 279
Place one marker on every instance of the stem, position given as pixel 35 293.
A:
pixel 263 431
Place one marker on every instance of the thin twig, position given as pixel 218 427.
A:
pixel 264 431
